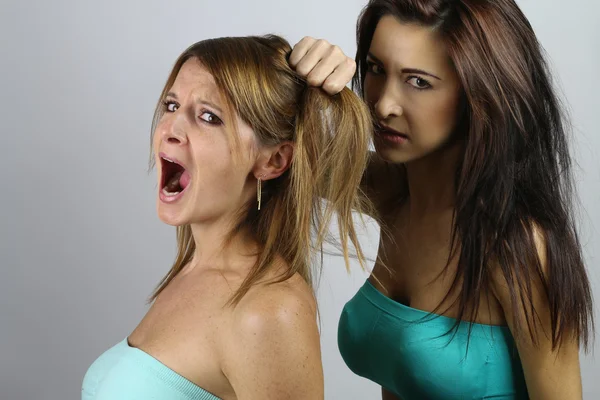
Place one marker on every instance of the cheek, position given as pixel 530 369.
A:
pixel 448 109
pixel 434 116
pixel 213 155
pixel 155 138
pixel 220 168
pixel 155 143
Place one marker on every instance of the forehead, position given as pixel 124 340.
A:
pixel 408 45
pixel 194 79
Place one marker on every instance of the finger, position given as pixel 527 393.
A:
pixel 338 80
pixel 316 53
pixel 300 50
pixel 335 60
pixel 333 85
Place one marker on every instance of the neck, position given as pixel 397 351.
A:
pixel 432 180
pixel 215 249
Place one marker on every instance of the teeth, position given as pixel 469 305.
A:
pixel 169 194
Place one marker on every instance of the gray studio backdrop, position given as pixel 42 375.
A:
pixel 81 247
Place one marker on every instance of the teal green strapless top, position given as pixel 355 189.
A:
pixel 127 373
pixel 410 356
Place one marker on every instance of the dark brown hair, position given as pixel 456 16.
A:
pixel 514 181
pixel 328 132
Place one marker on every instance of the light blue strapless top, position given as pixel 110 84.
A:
pixel 127 373
pixel 392 345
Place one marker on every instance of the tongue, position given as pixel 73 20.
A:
pixel 174 185
pixel 184 180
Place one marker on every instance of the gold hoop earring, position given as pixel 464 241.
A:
pixel 259 192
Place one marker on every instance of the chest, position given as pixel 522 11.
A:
pixel 184 306
pixel 414 266
pixel 418 266
pixel 184 330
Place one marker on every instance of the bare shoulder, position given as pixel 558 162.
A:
pixel 550 372
pixel 271 307
pixel 500 282
pixel 273 345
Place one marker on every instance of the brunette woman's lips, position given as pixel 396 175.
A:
pixel 391 135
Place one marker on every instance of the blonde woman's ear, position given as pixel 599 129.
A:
pixel 275 161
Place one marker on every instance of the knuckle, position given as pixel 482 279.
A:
pixel 306 40
pixel 293 58
pixel 312 82
pixel 332 87
pixel 322 43
pixel 302 70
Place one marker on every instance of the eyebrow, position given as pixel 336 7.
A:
pixel 208 103
pixel 406 70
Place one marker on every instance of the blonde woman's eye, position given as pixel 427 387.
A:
pixel 171 106
pixel 210 118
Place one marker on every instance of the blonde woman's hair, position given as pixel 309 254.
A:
pixel 331 136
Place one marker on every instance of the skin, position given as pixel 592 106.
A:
pixel 267 347
pixel 322 64
pixel 426 106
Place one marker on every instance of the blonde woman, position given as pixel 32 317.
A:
pixel 240 143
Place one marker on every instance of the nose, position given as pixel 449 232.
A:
pixel 173 131
pixel 388 104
